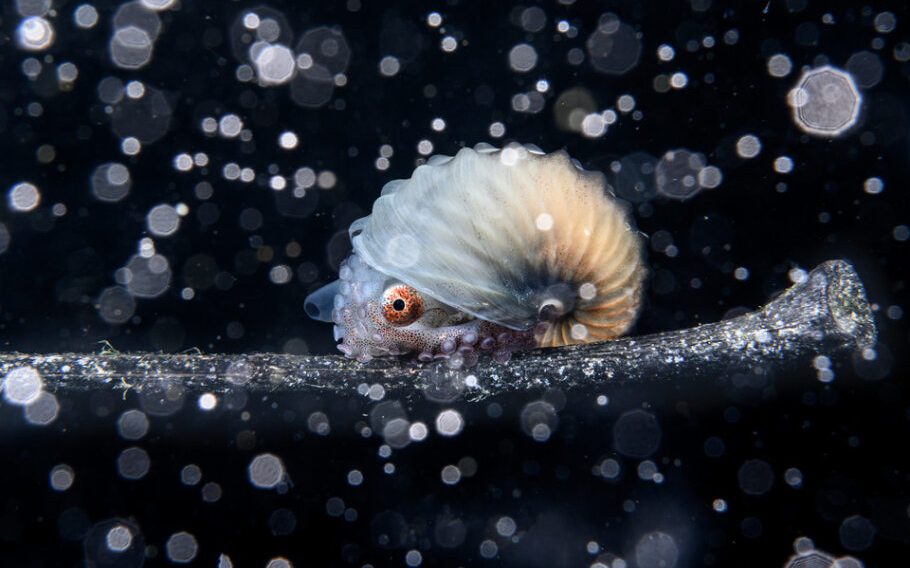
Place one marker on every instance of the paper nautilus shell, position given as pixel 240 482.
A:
pixel 490 250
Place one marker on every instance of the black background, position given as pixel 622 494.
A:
pixel 848 438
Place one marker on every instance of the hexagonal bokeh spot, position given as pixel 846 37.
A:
pixel 825 102
pixel 814 559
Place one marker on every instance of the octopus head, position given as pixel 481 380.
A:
pixel 376 315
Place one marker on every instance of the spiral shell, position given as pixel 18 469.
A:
pixel 514 237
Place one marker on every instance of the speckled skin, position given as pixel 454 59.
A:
pixel 441 332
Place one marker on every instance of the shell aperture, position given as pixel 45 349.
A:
pixel 488 250
pixel 319 304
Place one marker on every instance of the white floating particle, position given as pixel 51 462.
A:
pixel 449 423
pixel 544 222
pixel 665 52
pixel 424 147
pixel 593 125
pixel 748 146
pixel 448 44
pixel 281 274
pixel 135 89
pixel 679 80
pixel 209 125
pixel 67 72
pixel 131 47
pixel 119 538
pixel 183 162
pixel 23 197
pixel 275 64
pixel 418 431
pixel 798 275
pixel 163 220
pixel 522 58
pixel 779 65
pixel 266 471
pixel 873 186
pixel 85 16
pixel 389 66
pixel 885 22
pixel 506 526
pixel 288 140
pixel 825 102
pixel 710 177
pixel 130 146
pixel 251 20
pixel 783 165
pixel 61 477
pixel 22 386
pixel 625 103
pixel 43 410
pixel 208 401
pixel 450 475
pixel 181 548
pixel 230 125
pixel 133 463
pixel 35 34
pixel 133 425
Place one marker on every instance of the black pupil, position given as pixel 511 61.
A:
pixel 398 304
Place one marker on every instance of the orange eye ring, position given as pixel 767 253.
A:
pixel 401 305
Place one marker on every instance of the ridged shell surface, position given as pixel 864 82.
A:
pixel 514 237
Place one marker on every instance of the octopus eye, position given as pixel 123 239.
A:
pixel 401 305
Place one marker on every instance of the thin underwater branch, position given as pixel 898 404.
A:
pixel 828 313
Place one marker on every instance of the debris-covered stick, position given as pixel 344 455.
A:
pixel 827 314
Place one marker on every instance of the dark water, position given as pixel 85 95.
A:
pixel 151 201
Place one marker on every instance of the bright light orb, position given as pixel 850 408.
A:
pixel 825 102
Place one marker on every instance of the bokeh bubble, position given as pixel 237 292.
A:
pixel 181 547
pixel 857 533
pixel 61 477
pixel 132 425
pixel 35 34
pixel 614 48
pixel 131 47
pixel 43 410
pixel 539 420
pixel 85 16
pixel 637 434
pixel 274 64
pixel 146 118
pixel 677 174
pixel 22 386
pixel 755 477
pixel 656 550
pixel 522 58
pixel 866 68
pixel 23 197
pixel 266 471
pixel 449 423
pixel 115 305
pixel 114 542
pixel 162 220
pixel 147 277
pixel 825 102
pixel 133 463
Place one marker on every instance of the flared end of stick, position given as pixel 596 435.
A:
pixel 850 311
